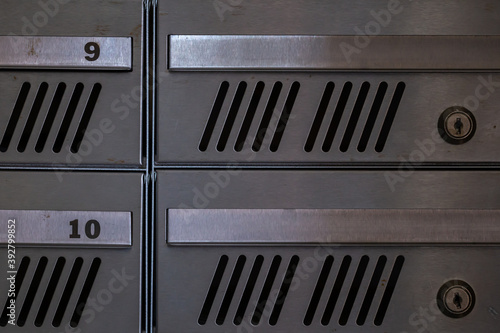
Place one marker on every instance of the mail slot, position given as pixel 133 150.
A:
pixel 327 83
pixel 72 251
pixel 71 75
pixel 238 250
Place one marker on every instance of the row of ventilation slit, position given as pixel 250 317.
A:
pixel 36 112
pixel 325 317
pixel 340 108
pixel 50 291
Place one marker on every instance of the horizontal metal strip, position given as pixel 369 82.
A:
pixel 73 53
pixel 65 228
pixel 332 226
pixel 261 52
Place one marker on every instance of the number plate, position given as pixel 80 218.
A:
pixel 66 228
pixel 79 53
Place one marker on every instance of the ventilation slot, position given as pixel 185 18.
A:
pixel 353 292
pixel 252 109
pixel 87 287
pixel 212 291
pixel 14 118
pixel 247 293
pixel 68 290
pixel 233 283
pixel 49 293
pixel 87 114
pixel 285 286
pixel 337 287
pixel 68 117
pixel 214 115
pixel 358 109
pixel 21 273
pixel 48 116
pixel 320 115
pixel 389 118
pixel 30 123
pixel 51 115
pixel 247 121
pixel 266 290
pixel 391 285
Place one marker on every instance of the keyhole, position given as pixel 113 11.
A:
pixel 457 300
pixel 459 125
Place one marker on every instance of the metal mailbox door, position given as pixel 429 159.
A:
pixel 71 76
pixel 71 252
pixel 323 251
pixel 327 82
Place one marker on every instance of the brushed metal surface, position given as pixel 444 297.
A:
pixel 23 52
pixel 115 299
pixel 300 52
pixel 331 226
pixel 114 133
pixel 53 228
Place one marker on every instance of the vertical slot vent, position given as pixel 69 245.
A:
pixel 68 291
pixel 372 288
pixel 266 290
pixel 84 295
pixel 247 292
pixel 337 116
pixel 68 117
pixel 212 291
pixel 356 113
pixel 30 123
pixel 285 115
pixel 391 285
pixel 32 290
pixel 14 118
pixel 353 292
pixel 21 273
pixel 320 115
pixel 250 114
pixel 87 114
pixel 372 116
pixel 214 115
pixel 266 118
pixel 233 283
pixel 51 115
pixel 337 287
pixel 353 120
pixel 389 118
pixel 318 290
pixel 231 117
pixel 285 286
pixel 49 293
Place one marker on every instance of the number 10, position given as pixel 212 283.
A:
pixel 91 224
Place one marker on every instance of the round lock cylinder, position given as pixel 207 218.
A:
pixel 457 125
pixel 456 299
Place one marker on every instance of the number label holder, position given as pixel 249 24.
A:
pixel 71 53
pixel 67 228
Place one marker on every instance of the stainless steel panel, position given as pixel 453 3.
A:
pixel 191 98
pixel 409 53
pixel 331 226
pixel 118 280
pixel 110 133
pixel 95 53
pixel 67 228
pixel 192 271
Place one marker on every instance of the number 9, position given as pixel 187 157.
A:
pixel 93 49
